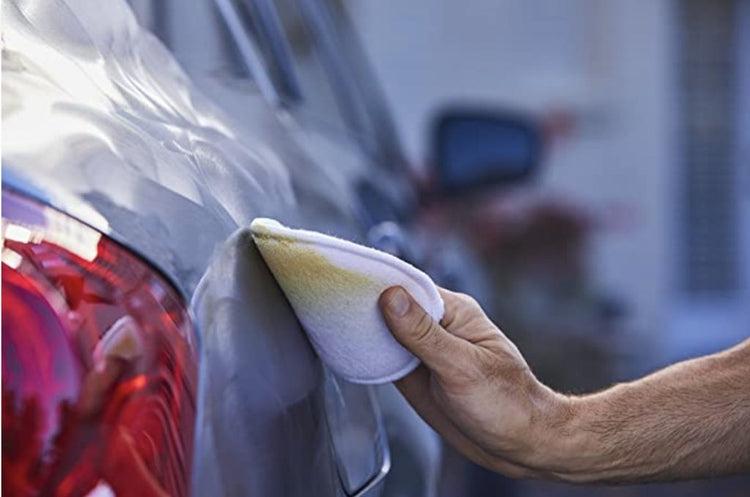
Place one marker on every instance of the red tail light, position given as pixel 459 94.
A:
pixel 99 366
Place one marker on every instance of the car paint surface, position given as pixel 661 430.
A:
pixel 96 111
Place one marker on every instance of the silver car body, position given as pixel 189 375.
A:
pixel 100 122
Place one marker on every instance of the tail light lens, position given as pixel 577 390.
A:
pixel 99 364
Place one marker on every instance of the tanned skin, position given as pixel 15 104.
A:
pixel 689 420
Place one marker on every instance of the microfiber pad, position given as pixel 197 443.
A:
pixel 333 286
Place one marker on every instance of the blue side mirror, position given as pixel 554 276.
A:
pixel 474 149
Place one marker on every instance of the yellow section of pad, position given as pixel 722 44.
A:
pixel 307 276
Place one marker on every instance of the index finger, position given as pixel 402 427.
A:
pixel 463 316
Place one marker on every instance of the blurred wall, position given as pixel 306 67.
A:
pixel 614 66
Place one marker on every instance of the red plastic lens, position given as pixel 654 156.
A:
pixel 99 371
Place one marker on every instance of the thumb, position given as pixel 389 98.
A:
pixel 417 331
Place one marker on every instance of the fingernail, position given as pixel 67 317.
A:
pixel 398 303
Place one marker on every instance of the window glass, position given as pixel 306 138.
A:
pixel 198 38
pixel 318 98
pixel 366 108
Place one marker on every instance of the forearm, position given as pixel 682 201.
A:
pixel 689 420
pixel 686 421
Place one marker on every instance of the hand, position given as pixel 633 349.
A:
pixel 474 387
pixel 688 420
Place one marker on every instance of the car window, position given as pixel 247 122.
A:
pixel 318 102
pixel 252 26
pixel 317 69
pixel 199 39
pixel 376 128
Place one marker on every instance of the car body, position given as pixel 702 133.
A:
pixel 106 137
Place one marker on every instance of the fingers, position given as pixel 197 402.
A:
pixel 463 316
pixel 453 355
pixel 418 332
pixel 466 319
pixel 416 388
pixel 458 303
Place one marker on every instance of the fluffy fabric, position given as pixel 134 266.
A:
pixel 333 286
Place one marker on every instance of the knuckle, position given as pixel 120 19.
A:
pixel 470 308
pixel 466 300
pixel 463 309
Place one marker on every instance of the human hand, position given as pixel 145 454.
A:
pixel 475 388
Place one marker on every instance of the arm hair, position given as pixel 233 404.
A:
pixel 689 420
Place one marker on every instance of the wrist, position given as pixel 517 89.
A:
pixel 563 441
pixel 573 450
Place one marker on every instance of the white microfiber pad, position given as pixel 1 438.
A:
pixel 333 286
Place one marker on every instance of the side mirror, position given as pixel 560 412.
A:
pixel 475 149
